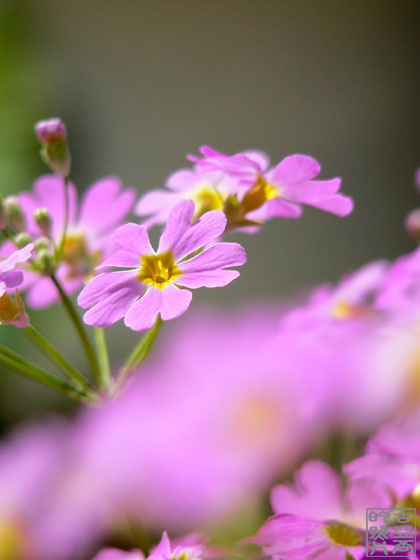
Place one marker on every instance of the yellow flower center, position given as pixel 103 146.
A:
pixel 76 255
pixel 206 199
pixel 344 535
pixel 158 270
pixel 260 192
pixel 11 544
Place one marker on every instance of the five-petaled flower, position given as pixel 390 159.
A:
pixel 153 283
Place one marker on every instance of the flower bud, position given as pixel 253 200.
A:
pixel 45 260
pixel 412 224
pixel 13 212
pixel 43 221
pixel 22 239
pixel 52 134
pixel 12 311
pixel 42 243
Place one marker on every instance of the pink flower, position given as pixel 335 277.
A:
pixel 154 282
pixel 281 189
pixel 102 208
pixel 183 549
pixel 315 519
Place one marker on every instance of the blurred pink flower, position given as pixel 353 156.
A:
pixel 102 208
pixel 154 282
pixel 10 277
pixel 317 519
pixel 114 554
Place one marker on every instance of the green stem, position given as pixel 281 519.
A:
pixel 103 358
pixel 84 339
pixel 140 352
pixel 16 363
pixel 52 353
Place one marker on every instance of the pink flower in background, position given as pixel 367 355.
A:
pixel 209 424
pixel 10 277
pixel 282 188
pixel 208 189
pixel 155 282
pixel 191 547
pixel 392 456
pixel 101 209
pixel 316 519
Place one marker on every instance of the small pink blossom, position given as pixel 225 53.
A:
pixel 155 282
pixel 90 225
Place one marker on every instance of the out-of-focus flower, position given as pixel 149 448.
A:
pixel 279 191
pixel 393 458
pixel 209 424
pixel 102 208
pixel 52 134
pixel 188 257
pixel 317 519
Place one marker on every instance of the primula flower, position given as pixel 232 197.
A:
pixel 279 191
pixel 12 310
pixel 155 282
pixel 316 519
pixel 102 208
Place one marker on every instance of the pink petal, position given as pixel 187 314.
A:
pixel 122 259
pixel 12 279
pixel 276 208
pixel 17 257
pixel 42 293
pixel 183 238
pixel 104 284
pixel 157 202
pixel 174 302
pixel 113 305
pixel 142 315
pixel 104 205
pixel 206 268
pixel 311 192
pixel 317 493
pixel 182 180
pixel 259 157
pixel 132 238
pixel 338 204
pixel 163 549
pixel 295 169
pixel 49 192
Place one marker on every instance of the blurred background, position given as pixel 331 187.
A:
pixel 142 83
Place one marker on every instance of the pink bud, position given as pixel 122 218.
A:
pixel 412 224
pixel 50 129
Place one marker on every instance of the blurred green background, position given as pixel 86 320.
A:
pixel 142 83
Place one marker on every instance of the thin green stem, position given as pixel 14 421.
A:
pixel 51 352
pixel 103 358
pixel 80 329
pixel 140 352
pixel 16 363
